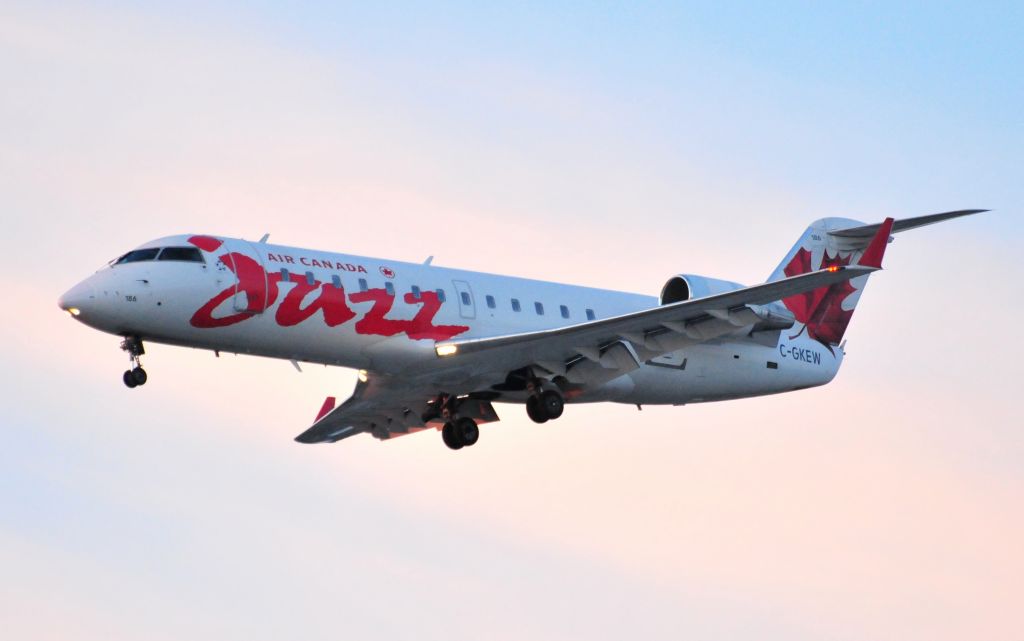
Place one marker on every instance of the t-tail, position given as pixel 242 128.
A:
pixel 825 313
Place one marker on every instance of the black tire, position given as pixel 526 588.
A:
pixel 467 430
pixel 140 376
pixel 129 379
pixel 450 437
pixel 551 404
pixel 534 411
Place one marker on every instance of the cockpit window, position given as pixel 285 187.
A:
pixel 138 255
pixel 187 254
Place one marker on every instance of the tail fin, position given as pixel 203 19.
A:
pixel 825 313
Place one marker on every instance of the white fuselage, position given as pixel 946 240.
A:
pixel 386 316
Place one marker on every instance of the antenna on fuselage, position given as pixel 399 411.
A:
pixel 429 260
pixel 265 237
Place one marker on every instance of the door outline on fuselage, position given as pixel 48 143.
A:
pixel 240 300
pixel 465 310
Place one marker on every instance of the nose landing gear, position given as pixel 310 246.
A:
pixel 136 375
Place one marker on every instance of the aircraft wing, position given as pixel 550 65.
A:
pixel 603 341
pixel 386 406
pixel 377 400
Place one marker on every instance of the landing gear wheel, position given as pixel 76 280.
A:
pixel 450 436
pixel 136 375
pixel 467 430
pixel 551 404
pixel 139 376
pixel 535 411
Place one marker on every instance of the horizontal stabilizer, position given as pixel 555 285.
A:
pixel 867 232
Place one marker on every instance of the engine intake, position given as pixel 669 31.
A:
pixel 688 286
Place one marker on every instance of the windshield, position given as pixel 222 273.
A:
pixel 183 254
pixel 138 255
pixel 187 254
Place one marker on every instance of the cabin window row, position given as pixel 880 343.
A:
pixel 538 308
pixel 310 278
pixel 492 303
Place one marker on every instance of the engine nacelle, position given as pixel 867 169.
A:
pixel 753 318
pixel 687 286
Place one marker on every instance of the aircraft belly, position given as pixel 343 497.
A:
pixel 726 371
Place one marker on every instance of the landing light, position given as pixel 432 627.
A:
pixel 446 350
pixel 74 311
pixel 363 376
pixel 833 268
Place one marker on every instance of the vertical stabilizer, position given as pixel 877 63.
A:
pixel 825 313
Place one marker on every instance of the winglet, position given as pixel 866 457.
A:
pixel 326 408
pixel 872 256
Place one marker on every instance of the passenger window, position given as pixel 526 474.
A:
pixel 490 301
pixel 362 285
pixel 591 315
pixel 336 281
pixel 540 308
pixel 138 256
pixel 389 288
pixel 285 276
pixel 309 279
pixel 465 297
pixel 515 305
pixel 185 254
pixel 564 310
pixel 415 292
pixel 440 295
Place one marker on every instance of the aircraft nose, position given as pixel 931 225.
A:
pixel 78 300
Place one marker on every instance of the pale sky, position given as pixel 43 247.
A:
pixel 595 144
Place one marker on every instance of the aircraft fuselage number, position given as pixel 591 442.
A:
pixel 800 354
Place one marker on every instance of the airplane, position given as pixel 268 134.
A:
pixel 437 347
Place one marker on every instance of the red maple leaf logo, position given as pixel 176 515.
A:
pixel 820 310
pixel 388 272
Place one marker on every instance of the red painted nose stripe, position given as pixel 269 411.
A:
pixel 206 243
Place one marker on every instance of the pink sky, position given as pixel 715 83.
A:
pixel 886 505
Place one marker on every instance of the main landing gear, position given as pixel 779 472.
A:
pixel 136 375
pixel 458 431
pixel 545 406
pixel 461 432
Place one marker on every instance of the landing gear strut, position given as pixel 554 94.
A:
pixel 136 375
pixel 545 406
